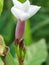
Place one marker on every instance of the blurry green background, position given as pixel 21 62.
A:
pixel 37 27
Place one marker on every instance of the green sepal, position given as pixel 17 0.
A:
pixel 22 53
pixel 17 50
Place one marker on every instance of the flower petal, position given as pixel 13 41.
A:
pixel 17 4
pixel 26 5
pixel 20 28
pixel 33 10
pixel 19 14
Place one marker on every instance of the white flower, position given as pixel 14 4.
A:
pixel 24 10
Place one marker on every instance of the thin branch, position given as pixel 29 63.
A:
pixel 5 54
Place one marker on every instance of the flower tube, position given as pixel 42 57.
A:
pixel 23 11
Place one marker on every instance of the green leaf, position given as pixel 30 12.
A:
pixel 7 27
pixel 47 63
pixel 27 35
pixel 1 6
pixel 10 60
pixel 8 32
pixel 1 62
pixel 36 53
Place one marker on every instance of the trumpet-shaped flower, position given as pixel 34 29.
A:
pixel 23 11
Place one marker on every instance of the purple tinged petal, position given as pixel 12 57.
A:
pixel 19 29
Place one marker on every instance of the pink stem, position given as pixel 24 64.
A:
pixel 20 29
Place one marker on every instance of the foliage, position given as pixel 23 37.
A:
pixel 1 6
pixel 36 28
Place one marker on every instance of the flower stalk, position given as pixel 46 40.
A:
pixel 21 62
pixel 6 51
pixel 21 51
